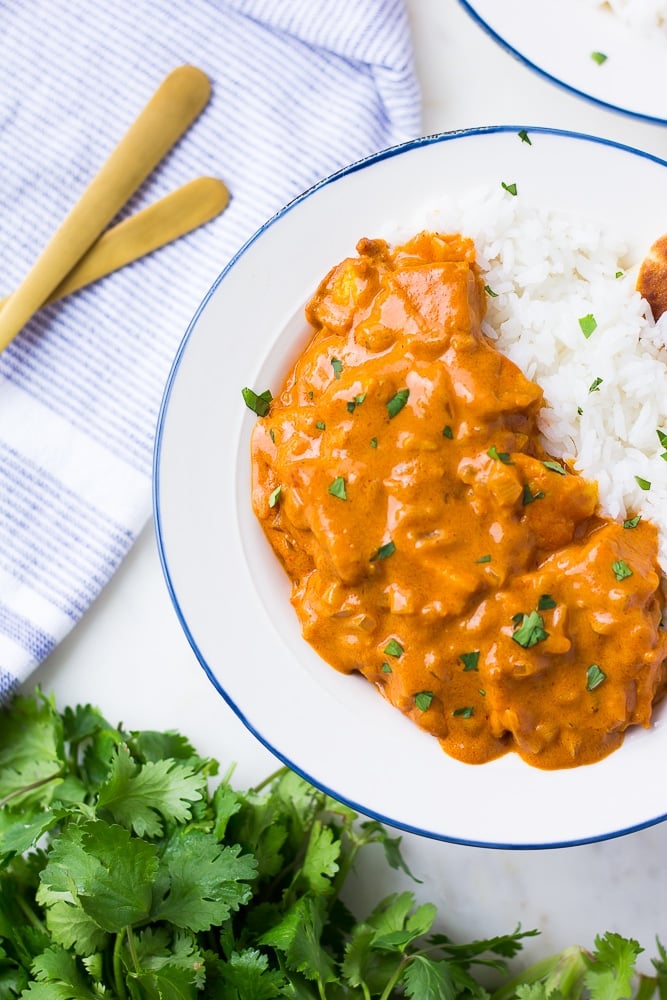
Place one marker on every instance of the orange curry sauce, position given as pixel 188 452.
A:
pixel 431 544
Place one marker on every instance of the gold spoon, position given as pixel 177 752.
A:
pixel 175 215
pixel 173 107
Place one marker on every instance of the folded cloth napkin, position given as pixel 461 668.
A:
pixel 300 88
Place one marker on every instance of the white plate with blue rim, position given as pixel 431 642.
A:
pixel 231 595
pixel 586 47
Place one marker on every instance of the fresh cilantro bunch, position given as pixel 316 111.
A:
pixel 130 871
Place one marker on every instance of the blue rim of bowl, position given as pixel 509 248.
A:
pixel 470 9
pixel 157 520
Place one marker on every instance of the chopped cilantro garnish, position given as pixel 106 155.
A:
pixel 528 497
pixel 423 700
pixel 397 402
pixel 337 488
pixel 393 648
pixel 374 442
pixel 523 135
pixel 621 569
pixel 531 630
pixel 643 484
pixel 464 713
pixel 546 602
pixel 386 669
pixel 273 497
pixel 598 57
pixel 384 551
pixel 662 438
pixel 272 434
pixel 337 367
pixel 484 559
pixel 554 467
pixel 619 274
pixel 594 677
pixel 447 432
pixel 470 660
pixel 357 401
pixel 588 324
pixel 579 410
pixel 632 522
pixel 500 456
pixel 321 426
pixel 259 403
pixel 595 385
pixel 490 291
pixel 510 188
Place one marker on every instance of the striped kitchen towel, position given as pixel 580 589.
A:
pixel 300 88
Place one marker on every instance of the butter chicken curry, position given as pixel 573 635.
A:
pixel 431 543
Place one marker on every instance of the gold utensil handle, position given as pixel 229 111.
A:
pixel 173 107
pixel 178 213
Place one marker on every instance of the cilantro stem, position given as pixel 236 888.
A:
pixel 118 976
pixel 396 978
pixel 31 787
pixel 563 971
pixel 646 988
pixel 29 913
pixel 269 780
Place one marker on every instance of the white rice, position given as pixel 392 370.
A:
pixel 642 16
pixel 547 270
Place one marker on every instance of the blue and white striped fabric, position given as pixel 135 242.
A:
pixel 300 87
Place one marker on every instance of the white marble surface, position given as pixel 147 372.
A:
pixel 129 656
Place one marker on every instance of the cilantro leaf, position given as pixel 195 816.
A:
pixel 499 456
pixel 397 402
pixel 298 936
pixel 59 977
pixel 259 403
pixel 428 979
pixel 621 570
pixel 470 660
pixel 31 752
pixel 338 488
pixel 247 976
pixel 72 928
pixel 588 324
pixel 528 496
pixel 16 838
pixel 611 967
pixel 320 863
pixel 117 890
pixel 594 677
pixel 137 795
pixel 545 602
pixel 530 630
pixel 201 882
pixel 384 551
